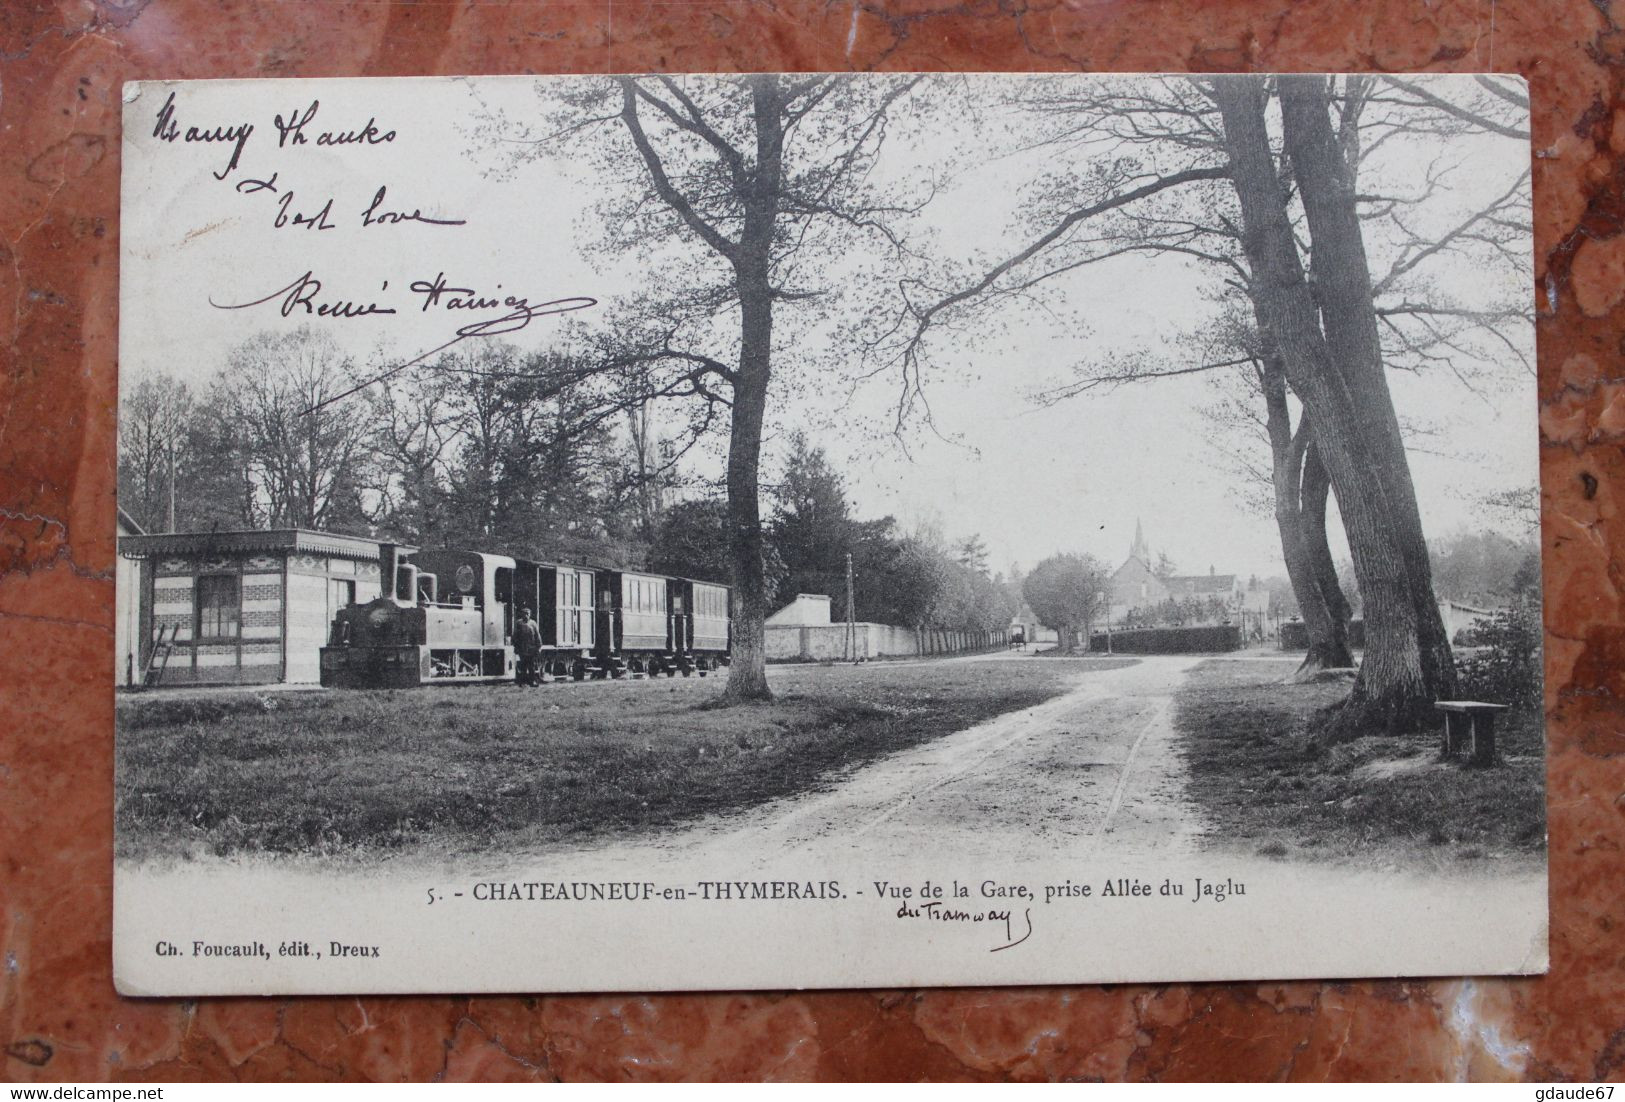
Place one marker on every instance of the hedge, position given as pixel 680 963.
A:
pixel 1194 640
pixel 1295 635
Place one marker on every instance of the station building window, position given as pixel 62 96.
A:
pixel 219 606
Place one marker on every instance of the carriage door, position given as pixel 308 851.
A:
pixel 567 607
pixel 677 626
pixel 502 593
pixel 607 584
pixel 564 620
pixel 581 606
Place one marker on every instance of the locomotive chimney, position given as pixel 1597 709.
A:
pixel 388 556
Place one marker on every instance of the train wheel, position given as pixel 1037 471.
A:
pixel 578 671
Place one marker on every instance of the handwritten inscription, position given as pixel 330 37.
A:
pixel 292 131
pixel 291 210
pixel 168 129
pixel 993 902
pixel 301 295
pixel 377 214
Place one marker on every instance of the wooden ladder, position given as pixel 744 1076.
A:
pixel 163 646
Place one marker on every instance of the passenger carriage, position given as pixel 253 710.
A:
pixel 650 624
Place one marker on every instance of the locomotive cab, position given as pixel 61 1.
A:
pixel 444 616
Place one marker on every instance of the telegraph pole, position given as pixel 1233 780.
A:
pixel 851 629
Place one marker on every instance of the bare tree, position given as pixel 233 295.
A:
pixel 1327 336
pixel 744 189
pixel 302 455
pixel 413 439
pixel 1188 168
pixel 153 429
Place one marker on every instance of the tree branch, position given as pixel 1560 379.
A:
pixel 1457 111
pixel 657 174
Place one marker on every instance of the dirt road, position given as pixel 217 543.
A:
pixel 1095 768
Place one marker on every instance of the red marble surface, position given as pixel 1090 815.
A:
pixel 61 66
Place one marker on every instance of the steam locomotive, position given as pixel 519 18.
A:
pixel 449 616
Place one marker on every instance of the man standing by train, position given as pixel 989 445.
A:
pixel 527 644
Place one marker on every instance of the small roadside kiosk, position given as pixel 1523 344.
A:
pixel 245 607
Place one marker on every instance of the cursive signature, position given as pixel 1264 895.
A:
pixel 303 296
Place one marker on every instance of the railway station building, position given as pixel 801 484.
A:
pixel 238 608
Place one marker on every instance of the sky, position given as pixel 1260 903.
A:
pixel 200 233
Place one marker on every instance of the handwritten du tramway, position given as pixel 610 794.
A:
pixel 454 616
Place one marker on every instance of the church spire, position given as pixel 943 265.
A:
pixel 1140 550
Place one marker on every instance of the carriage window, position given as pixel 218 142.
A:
pixel 711 602
pixel 219 606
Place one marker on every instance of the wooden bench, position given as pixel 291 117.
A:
pixel 1470 721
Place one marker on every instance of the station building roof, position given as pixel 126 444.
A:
pixel 252 541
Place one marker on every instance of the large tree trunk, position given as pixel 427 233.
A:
pixel 1395 687
pixel 747 677
pixel 1325 620
pixel 1316 488
pixel 1398 683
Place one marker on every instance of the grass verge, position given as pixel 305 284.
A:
pixel 476 768
pixel 1261 780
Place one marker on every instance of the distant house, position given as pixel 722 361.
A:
pixel 239 608
pixel 1137 588
pixel 1226 587
pixel 1135 585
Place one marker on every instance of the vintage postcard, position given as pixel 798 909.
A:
pixel 778 531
